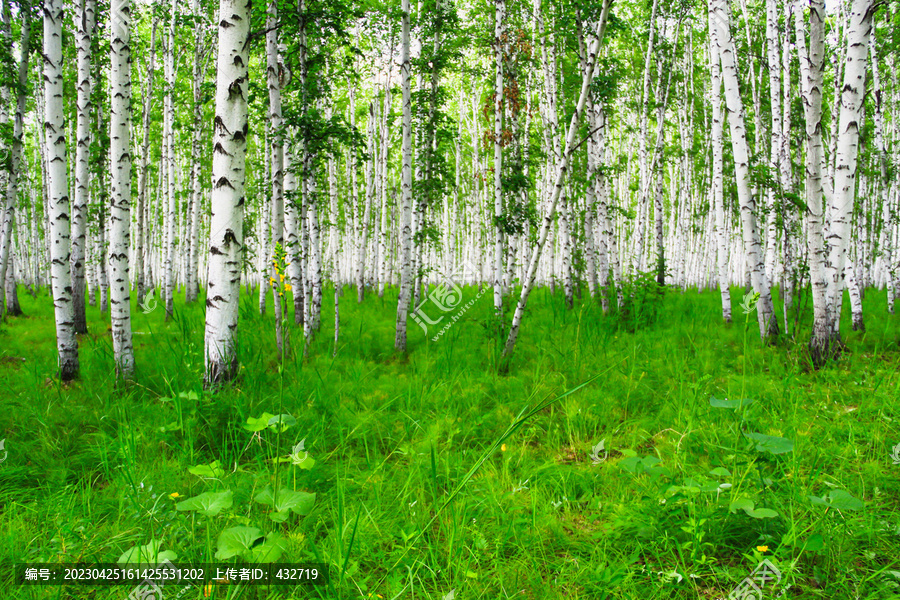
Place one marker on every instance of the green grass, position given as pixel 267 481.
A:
pixel 394 437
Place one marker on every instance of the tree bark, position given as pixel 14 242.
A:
pixel 230 130
pixel 406 186
pixel 120 184
pixel 768 324
pixel 852 92
pixel 58 184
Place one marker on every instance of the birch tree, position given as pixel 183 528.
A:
pixel 812 65
pixel 499 9
pixel 406 186
pixel 8 299
pixel 858 31
pixel 169 164
pixel 561 170
pixel 142 241
pixel 768 324
pixel 120 183
pixel 85 21
pixel 718 184
pixel 58 186
pixel 230 128
pixel 276 159
pixel 193 251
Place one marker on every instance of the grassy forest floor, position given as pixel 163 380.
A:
pixel 691 491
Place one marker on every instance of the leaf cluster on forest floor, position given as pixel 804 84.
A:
pixel 718 453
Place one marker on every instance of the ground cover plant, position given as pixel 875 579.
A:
pixel 666 462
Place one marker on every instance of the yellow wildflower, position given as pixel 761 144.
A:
pixel 287 287
pixel 503 448
pixel 282 277
pixel 174 495
pixel 762 548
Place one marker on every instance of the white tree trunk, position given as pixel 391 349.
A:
pixel 362 229
pixel 142 241
pixel 768 324
pixel 85 21
pixel 406 186
pixel 718 184
pixel 229 150
pixel 120 184
pixel 8 298
pixel 499 9
pixel 885 245
pixel 193 234
pixel 58 185
pixel 811 83
pixel 274 75
pixel 169 164
pixel 562 168
pixel 853 90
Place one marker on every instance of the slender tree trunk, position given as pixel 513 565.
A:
pixel 9 299
pixel 811 83
pixel 58 201
pixel 169 165
pixel 226 225
pixel 406 187
pixel 362 229
pixel 499 10
pixel 643 139
pixel 85 24
pixel 885 247
pixel 775 199
pixel 142 241
pixel 852 92
pixel 193 252
pixel 120 184
pixel 717 188
pixel 274 74
pixel 562 168
pixel 768 324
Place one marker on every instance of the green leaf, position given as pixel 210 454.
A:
pixel 814 543
pixel 237 541
pixel 720 472
pixel 258 423
pixel 746 504
pixel 726 403
pixel 208 503
pixel 287 501
pixel 270 550
pixel 213 469
pixel 284 421
pixel 839 499
pixel 771 443
pixel 762 513
pixel 741 504
pixel 631 464
pixel 147 554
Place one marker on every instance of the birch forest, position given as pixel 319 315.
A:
pixel 449 299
